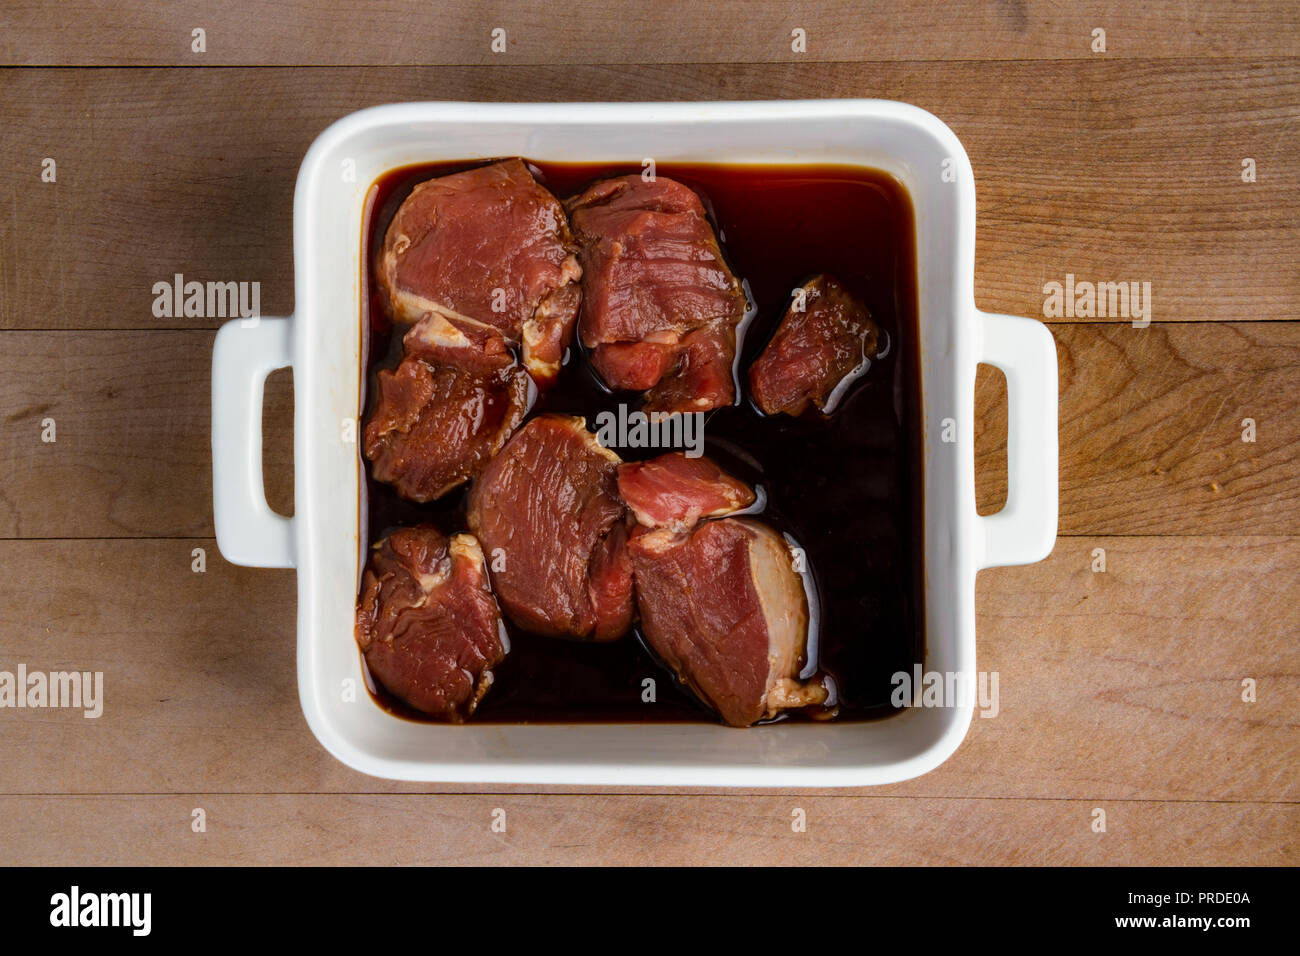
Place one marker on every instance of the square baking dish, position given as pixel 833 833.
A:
pixel 325 541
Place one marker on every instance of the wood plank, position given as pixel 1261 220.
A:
pixel 110 33
pixel 1102 170
pixel 132 423
pixel 1150 432
pixel 1151 429
pixel 1129 682
pixel 637 830
pixel 1121 685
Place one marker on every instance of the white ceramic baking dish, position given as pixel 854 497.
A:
pixel 322 341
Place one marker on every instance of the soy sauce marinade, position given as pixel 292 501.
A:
pixel 847 488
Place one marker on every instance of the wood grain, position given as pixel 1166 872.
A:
pixel 1128 682
pixel 638 830
pixel 1150 432
pixel 132 414
pixel 1125 171
pixel 109 32
pixel 1151 429
pixel 1112 686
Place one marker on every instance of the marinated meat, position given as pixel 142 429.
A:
pixel 487 247
pixel 471 346
pixel 609 585
pixel 547 513
pixel 435 426
pixel 676 492
pixel 633 366
pixel 725 609
pixel 655 262
pixel 816 353
pixel 702 373
pixel 660 304
pixel 427 623
pixel 720 601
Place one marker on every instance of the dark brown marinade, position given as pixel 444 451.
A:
pixel 847 489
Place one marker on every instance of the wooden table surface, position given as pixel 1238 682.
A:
pixel 1120 690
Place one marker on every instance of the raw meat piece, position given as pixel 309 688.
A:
pixel 466 345
pixel 487 247
pixel 435 427
pixel 653 274
pixel 547 514
pixel 609 585
pixel 815 353
pixel 633 366
pixel 702 374
pixel 676 492
pixel 427 622
pixel 724 608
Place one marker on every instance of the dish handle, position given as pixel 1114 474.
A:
pixel 248 531
pixel 1024 531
